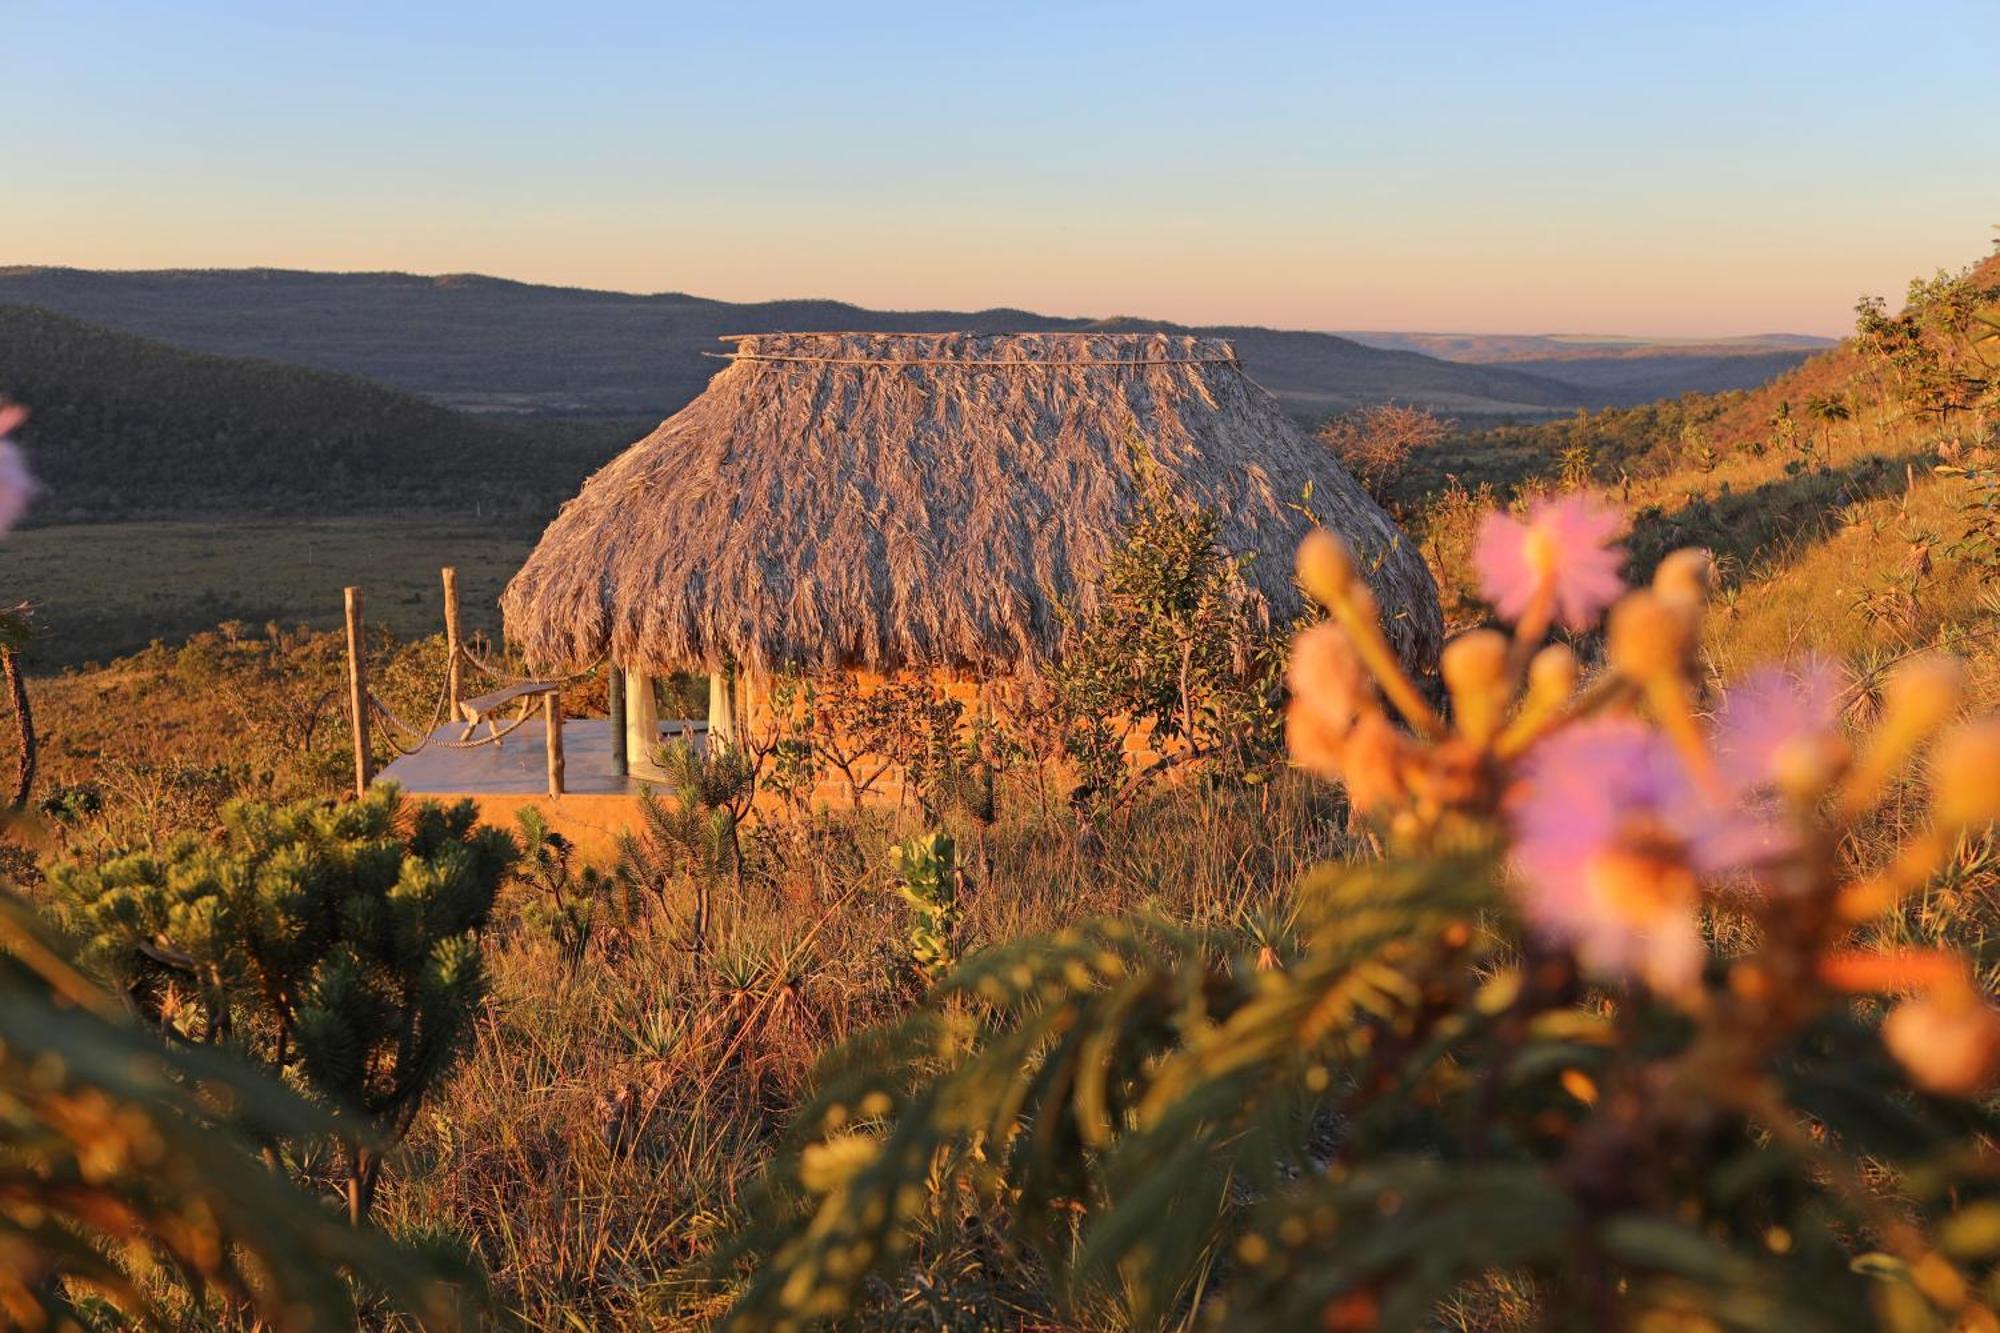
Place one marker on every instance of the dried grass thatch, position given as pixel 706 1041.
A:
pixel 896 501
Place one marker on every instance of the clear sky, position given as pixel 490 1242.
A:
pixel 1589 165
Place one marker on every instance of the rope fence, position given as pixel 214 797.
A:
pixel 406 738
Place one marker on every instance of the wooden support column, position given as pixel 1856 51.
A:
pixel 614 692
pixel 552 725
pixel 357 692
pixel 451 643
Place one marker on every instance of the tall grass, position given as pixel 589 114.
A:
pixel 600 1137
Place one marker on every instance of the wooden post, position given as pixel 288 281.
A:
pixel 552 724
pixel 614 691
pixel 451 642
pixel 357 692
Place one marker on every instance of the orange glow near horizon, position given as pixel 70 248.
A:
pixel 1696 169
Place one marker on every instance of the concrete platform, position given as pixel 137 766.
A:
pixel 518 765
pixel 597 804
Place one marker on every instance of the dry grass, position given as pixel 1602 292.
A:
pixel 600 1139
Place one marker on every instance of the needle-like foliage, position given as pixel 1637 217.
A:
pixel 337 944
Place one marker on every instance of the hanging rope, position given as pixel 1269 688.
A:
pixel 422 735
pixel 425 736
pixel 492 738
pixel 430 738
pixel 381 710
pixel 506 677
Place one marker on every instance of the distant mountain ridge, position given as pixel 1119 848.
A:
pixel 1487 349
pixel 493 345
pixel 1621 371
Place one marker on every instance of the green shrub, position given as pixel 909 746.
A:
pixel 336 944
pixel 126 1188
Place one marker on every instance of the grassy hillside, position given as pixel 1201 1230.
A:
pixel 495 346
pixel 126 427
pixel 105 589
pixel 1853 501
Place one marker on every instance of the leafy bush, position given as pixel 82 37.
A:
pixel 927 871
pixel 1170 660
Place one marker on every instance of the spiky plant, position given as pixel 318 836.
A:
pixel 692 836
pixel 566 901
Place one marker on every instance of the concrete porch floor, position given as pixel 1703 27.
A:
pixel 596 805
pixel 518 765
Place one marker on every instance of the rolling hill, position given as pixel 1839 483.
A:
pixel 494 346
pixel 126 427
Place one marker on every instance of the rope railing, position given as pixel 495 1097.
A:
pixel 429 738
pixel 406 738
pixel 507 677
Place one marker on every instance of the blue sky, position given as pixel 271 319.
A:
pixel 1695 168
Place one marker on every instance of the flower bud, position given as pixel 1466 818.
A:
pixel 1949 1044
pixel 1475 671
pixel 1552 675
pixel 1362 599
pixel 1476 660
pixel 1329 689
pixel 1326 566
pixel 1372 764
pixel 1685 578
pixel 1965 775
pixel 1805 766
pixel 1921 695
pixel 1313 744
pixel 1646 638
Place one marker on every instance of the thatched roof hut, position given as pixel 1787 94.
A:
pixel 928 501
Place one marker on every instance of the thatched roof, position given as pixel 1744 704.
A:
pixel 928 500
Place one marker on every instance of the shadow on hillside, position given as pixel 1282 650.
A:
pixel 1749 530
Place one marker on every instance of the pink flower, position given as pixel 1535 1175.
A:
pixel 1563 555
pixel 1780 727
pixel 17 484
pixel 1611 841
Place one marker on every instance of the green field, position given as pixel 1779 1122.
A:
pixel 104 589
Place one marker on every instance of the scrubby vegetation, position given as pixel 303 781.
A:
pixel 1269 1039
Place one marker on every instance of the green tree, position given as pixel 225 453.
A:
pixel 336 944
pixel 1169 651
pixel 693 836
